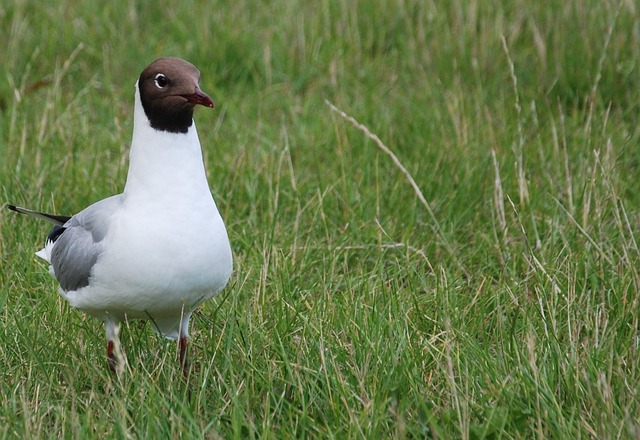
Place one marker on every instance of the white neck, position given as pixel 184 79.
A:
pixel 163 165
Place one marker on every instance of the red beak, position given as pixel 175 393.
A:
pixel 199 97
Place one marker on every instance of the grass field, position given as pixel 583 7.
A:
pixel 498 297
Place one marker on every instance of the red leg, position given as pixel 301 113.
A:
pixel 114 354
pixel 184 359
pixel 111 357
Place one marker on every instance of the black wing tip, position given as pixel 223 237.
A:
pixel 52 218
pixel 55 233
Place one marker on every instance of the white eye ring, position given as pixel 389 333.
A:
pixel 160 80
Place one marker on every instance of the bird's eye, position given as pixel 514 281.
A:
pixel 160 80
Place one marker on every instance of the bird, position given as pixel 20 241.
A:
pixel 159 249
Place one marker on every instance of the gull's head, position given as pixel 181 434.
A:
pixel 169 91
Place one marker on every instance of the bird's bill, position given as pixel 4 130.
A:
pixel 199 97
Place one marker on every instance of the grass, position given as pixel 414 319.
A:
pixel 506 306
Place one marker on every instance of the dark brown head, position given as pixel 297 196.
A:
pixel 169 92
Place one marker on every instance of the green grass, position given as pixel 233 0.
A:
pixel 507 307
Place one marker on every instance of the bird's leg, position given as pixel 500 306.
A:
pixel 184 358
pixel 182 341
pixel 114 354
pixel 111 357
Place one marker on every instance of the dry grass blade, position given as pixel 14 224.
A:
pixel 436 225
pixel 363 128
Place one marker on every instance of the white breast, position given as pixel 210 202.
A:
pixel 167 247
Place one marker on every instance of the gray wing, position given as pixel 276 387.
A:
pixel 79 243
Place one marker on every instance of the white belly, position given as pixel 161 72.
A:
pixel 157 268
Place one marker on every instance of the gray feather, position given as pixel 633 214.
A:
pixel 73 256
pixel 78 248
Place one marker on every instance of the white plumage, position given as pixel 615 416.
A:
pixel 160 249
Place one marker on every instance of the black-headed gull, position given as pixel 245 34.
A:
pixel 160 249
